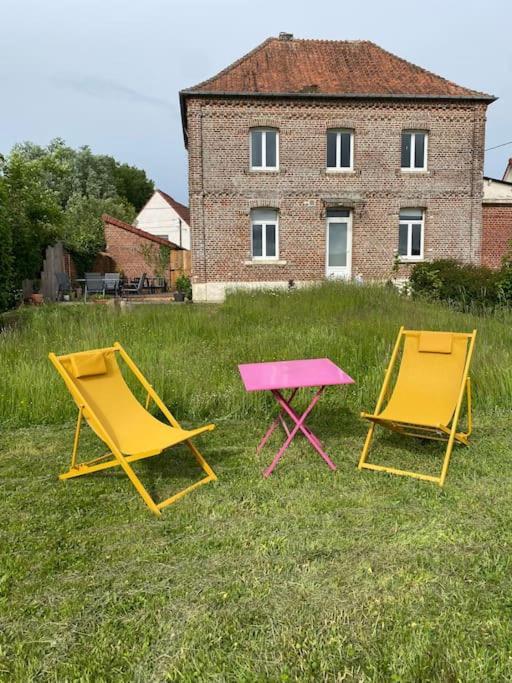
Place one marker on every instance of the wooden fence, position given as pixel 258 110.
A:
pixel 54 262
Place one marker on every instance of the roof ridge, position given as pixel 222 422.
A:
pixel 107 218
pixel 233 64
pixel 425 71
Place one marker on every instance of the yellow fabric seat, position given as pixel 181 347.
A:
pixel 106 402
pixel 428 392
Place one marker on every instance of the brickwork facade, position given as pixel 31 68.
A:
pixel 127 249
pixel 223 189
pixel 497 233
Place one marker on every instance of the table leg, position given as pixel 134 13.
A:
pixel 299 425
pixel 274 424
pixel 310 436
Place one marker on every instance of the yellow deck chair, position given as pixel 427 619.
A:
pixel 131 433
pixel 427 397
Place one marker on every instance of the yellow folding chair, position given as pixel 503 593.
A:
pixel 131 433
pixel 427 396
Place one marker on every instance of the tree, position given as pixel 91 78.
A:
pixel 82 231
pixel 32 213
pixel 6 257
pixel 56 192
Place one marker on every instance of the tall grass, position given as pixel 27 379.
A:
pixel 190 353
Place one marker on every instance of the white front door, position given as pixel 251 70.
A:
pixel 339 247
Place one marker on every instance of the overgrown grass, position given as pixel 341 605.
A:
pixel 311 575
pixel 191 352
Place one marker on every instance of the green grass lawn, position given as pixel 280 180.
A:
pixel 310 575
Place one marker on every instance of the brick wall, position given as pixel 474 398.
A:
pixel 496 233
pixel 126 250
pixel 223 190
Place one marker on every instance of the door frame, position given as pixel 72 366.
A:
pixel 339 219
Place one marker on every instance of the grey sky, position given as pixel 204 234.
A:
pixel 107 72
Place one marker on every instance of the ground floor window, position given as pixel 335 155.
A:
pixel 264 234
pixel 411 234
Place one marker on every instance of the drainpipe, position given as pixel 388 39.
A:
pixel 203 226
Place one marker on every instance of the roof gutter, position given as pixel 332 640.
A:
pixel 184 94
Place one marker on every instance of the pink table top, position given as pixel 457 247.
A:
pixel 292 374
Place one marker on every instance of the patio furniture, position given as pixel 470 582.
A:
pixel 131 433
pixel 112 283
pixel 427 397
pixel 63 285
pixel 156 284
pixel 136 287
pixel 293 375
pixel 94 284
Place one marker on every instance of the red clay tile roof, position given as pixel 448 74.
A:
pixel 328 67
pixel 137 231
pixel 182 210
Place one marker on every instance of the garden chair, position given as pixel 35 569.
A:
pixel 63 285
pixel 94 284
pixel 427 396
pixel 131 433
pixel 112 283
pixel 137 287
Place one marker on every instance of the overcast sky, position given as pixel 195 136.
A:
pixel 106 73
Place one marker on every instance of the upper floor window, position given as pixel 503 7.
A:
pixel 264 234
pixel 410 234
pixel 414 150
pixel 264 149
pixel 340 150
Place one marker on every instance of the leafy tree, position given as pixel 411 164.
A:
pixel 6 257
pixel 70 172
pixel 56 192
pixel 32 213
pixel 82 231
pixel 133 184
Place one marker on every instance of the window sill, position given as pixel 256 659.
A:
pixel 405 260
pixel 415 171
pixel 264 170
pixel 265 262
pixel 335 171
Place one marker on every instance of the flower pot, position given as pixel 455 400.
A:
pixel 179 296
pixel 36 298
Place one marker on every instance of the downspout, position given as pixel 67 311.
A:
pixel 472 211
pixel 203 226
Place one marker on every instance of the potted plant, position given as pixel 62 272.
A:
pixel 36 297
pixel 183 288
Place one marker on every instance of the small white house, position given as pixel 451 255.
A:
pixel 165 217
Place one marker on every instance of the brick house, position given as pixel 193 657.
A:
pixel 312 158
pixel 497 219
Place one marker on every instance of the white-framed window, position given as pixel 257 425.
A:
pixel 340 150
pixel 411 233
pixel 264 149
pixel 414 150
pixel 264 234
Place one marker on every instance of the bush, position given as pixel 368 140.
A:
pixel 463 286
pixel 184 285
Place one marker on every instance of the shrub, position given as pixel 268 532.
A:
pixel 184 285
pixel 464 286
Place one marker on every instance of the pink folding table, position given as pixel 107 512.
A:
pixel 293 375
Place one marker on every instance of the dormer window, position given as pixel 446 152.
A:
pixel 264 149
